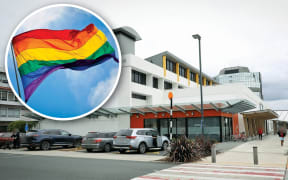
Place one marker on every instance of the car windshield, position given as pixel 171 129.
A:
pixel 124 132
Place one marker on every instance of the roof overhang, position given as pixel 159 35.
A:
pixel 261 114
pixel 233 106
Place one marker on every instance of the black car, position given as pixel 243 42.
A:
pixel 98 141
pixel 46 138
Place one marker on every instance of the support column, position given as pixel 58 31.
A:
pixel 177 71
pixel 188 75
pixel 197 79
pixel 164 65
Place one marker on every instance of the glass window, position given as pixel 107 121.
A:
pixel 3 78
pixel 181 127
pixel 11 96
pixel 14 112
pixel 182 71
pixel 138 77
pixel 154 133
pixel 124 132
pixel 150 123
pixel 141 132
pixel 164 127
pixel 192 76
pixel 170 65
pixel 212 127
pixel 138 96
pixel 155 82
pixel 167 85
pixel 194 127
pixel 4 95
pixel 3 111
pixel 64 133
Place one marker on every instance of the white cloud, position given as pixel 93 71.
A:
pixel 43 19
pixel 278 104
pixel 102 89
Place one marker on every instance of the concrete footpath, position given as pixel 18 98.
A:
pixel 270 153
pixel 233 163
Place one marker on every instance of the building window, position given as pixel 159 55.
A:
pixel 11 97
pixel 207 82
pixel 232 71
pixel 14 112
pixel 138 96
pixel 3 78
pixel 155 82
pixel 167 85
pixel 3 112
pixel 138 77
pixel 3 95
pixel 180 87
pixel 182 71
pixel 192 76
pixel 170 66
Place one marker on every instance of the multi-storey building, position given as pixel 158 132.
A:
pixel 10 109
pixel 141 99
pixel 242 75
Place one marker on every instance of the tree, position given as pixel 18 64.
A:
pixel 20 125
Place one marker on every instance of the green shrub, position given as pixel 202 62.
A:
pixel 20 125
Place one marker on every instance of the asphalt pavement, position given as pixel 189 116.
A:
pixel 31 167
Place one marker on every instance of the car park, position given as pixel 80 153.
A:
pixel 141 139
pixel 97 141
pixel 46 138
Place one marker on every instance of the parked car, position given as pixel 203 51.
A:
pixel 46 138
pixel 139 139
pixel 6 141
pixel 98 141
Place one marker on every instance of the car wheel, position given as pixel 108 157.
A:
pixel 45 145
pixel 122 151
pixel 89 150
pixel 31 148
pixel 77 143
pixel 165 146
pixel 142 148
pixel 107 148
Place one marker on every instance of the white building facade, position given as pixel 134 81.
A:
pixel 141 98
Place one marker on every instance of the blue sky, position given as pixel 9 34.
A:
pixel 67 93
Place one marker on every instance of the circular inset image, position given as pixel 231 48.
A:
pixel 63 62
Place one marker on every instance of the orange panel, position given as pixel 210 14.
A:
pixel 137 120
pixel 235 124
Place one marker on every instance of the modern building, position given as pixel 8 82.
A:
pixel 141 99
pixel 242 75
pixel 10 109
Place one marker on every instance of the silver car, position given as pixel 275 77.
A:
pixel 139 139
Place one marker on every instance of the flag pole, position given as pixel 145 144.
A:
pixel 17 79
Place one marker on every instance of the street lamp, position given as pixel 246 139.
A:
pixel 197 36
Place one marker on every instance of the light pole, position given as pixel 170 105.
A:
pixel 197 36
pixel 170 96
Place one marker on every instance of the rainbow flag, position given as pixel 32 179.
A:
pixel 40 52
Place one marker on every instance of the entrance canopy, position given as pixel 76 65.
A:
pixel 262 114
pixel 231 106
pixel 283 116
